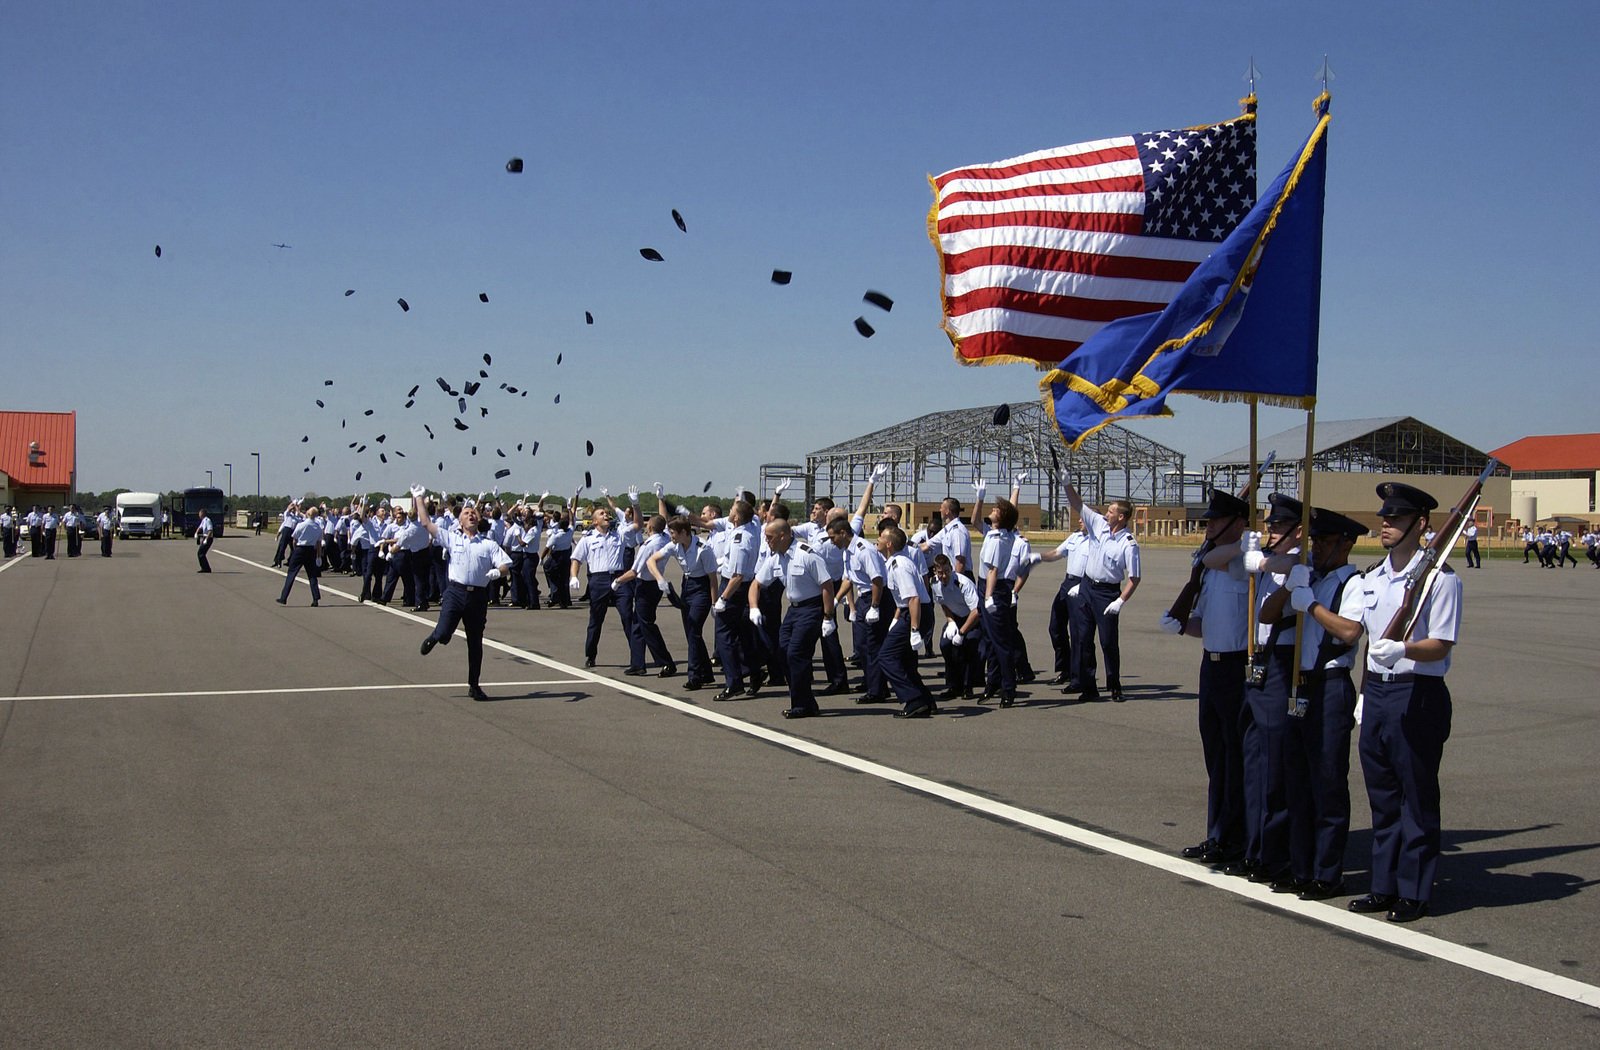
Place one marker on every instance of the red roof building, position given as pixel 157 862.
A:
pixel 1563 452
pixel 39 457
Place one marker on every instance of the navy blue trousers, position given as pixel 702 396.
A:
pixel 798 637
pixel 1321 775
pixel 1220 707
pixel 639 600
pixel 1269 817
pixel 460 606
pixel 696 601
pixel 299 558
pixel 1403 729
pixel 867 638
pixel 999 634
pixel 899 666
pixel 601 598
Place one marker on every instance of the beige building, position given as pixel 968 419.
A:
pixel 1553 475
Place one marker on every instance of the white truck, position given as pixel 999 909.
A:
pixel 140 514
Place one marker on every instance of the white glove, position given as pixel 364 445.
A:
pixel 1075 589
pixel 879 471
pixel 719 606
pixel 1017 481
pixel 828 627
pixel 1034 559
pixel 1114 608
pixel 781 488
pixel 988 603
pixel 1253 560
pixel 633 494
pixel 1171 624
pixel 419 491
pixel 1361 701
pixel 980 487
pixel 1016 599
pixel 1386 652
pixel 544 495
pixel 604 491
pixel 920 537
pixel 494 574
pixel 916 638
pixel 1302 598
pixel 572 585
pixel 756 617
pixel 873 615
pixel 660 491
pixel 1299 576
pixel 1251 541
pixel 616 585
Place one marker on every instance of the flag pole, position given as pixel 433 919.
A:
pixel 1305 559
pixel 1250 620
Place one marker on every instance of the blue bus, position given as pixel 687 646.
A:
pixel 212 501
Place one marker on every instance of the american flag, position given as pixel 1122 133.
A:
pixel 1039 251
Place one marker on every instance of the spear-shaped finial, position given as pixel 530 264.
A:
pixel 1326 76
pixel 1248 103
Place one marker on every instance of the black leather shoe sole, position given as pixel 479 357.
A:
pixel 800 712
pixel 925 711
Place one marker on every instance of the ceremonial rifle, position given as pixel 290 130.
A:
pixel 1184 606
pixel 1419 578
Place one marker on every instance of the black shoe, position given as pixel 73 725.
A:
pixel 1117 697
pixel 667 671
pixel 313 603
pixel 1090 696
pixel 1287 883
pixel 634 672
pixel 800 712
pixel 988 694
pixel 1060 679
pixel 753 691
pixel 1072 686
pixel 693 684
pixel 1373 902
pixel 1318 890
pixel 757 681
pixel 870 699
pixel 428 643
pixel 421 609
pixel 1260 875
pixel 1008 701
pixel 729 694
pixel 921 711
pixel 1242 867
pixel 1407 910
pixel 1199 852
pixel 588 661
pixel 835 688
pixel 281 601
pixel 477 694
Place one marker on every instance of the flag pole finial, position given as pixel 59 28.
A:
pixel 1248 103
pixel 1323 99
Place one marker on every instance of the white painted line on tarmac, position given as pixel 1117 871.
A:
pixel 276 692
pixel 1331 915
pixel 8 562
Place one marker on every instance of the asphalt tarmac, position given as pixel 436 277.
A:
pixel 226 822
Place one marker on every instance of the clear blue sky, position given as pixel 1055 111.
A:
pixel 1459 274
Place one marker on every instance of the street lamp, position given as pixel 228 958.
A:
pixel 209 483
pixel 258 474
pixel 230 479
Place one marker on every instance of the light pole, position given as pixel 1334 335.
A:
pixel 209 483
pixel 258 473
pixel 230 479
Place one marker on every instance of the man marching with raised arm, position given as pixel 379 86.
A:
pixel 475 562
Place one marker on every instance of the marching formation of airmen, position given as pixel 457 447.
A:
pixel 46 528
pixel 1271 627
pixel 1553 547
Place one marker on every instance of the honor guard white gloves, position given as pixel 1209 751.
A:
pixel 1114 608
pixel 756 617
pixel 828 627
pixel 916 638
pixel 1385 652
pixel 1171 624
